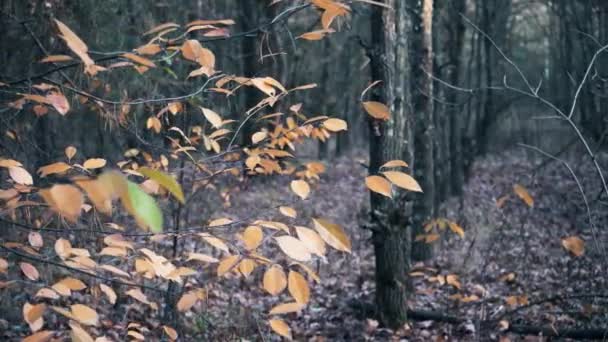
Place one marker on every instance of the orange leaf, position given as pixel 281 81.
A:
pixel 402 180
pixel 379 185
pixel 377 110
pixel 574 245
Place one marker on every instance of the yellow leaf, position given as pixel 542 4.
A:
pixel 252 237
pixel 298 287
pixel 280 327
pixel 574 245
pixel 214 119
pixel 377 110
pixel 149 49
pixel 154 123
pixel 430 238
pixel 94 163
pixel 84 314
pixel 56 58
pixel 41 336
pixel 20 175
pixel 452 279
pixel 138 59
pixel 77 46
pixel 47 293
pixel 247 266
pixel 335 125
pixel 70 152
pixel 258 136
pixel 98 192
pixel 300 188
pixel 78 334
pixel 202 257
pixel 65 199
pixel 33 312
pixel 395 163
pixel 109 292
pixel 166 181
pixel 379 185
pixel 9 163
pixel 54 168
pixel 171 333
pixel 402 180
pixel 63 248
pixel 73 284
pixel 286 308
pixel 227 264
pixel 160 27
pixel 220 222
pixel 524 195
pixel 315 35
pixel 293 248
pixel 215 242
pixel 333 235
pixel 288 211
pixel 274 280
pixel 454 227
pixel 311 240
pixel 187 301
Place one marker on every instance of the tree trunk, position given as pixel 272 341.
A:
pixel 389 219
pixel 422 90
pixel 456 42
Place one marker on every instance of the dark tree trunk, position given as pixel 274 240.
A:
pixel 422 89
pixel 389 219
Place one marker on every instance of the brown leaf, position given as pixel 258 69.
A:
pixel 574 245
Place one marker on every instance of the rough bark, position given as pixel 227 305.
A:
pixel 422 89
pixel 389 219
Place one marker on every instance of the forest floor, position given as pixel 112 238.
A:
pixel 511 266
pixel 509 270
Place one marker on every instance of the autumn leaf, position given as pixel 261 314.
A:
pixel 274 280
pixel 524 195
pixel 335 125
pixel 280 327
pixel 300 188
pixel 377 110
pixel 379 185
pixel 293 248
pixel 166 181
pixel 333 235
pixel 252 237
pixel 574 245
pixel 402 180
pixel 65 199
pixel 298 287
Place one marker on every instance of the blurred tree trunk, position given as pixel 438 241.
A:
pixel 457 122
pixel 389 219
pixel 422 90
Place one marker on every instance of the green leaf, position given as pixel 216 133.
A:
pixel 166 181
pixel 143 207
